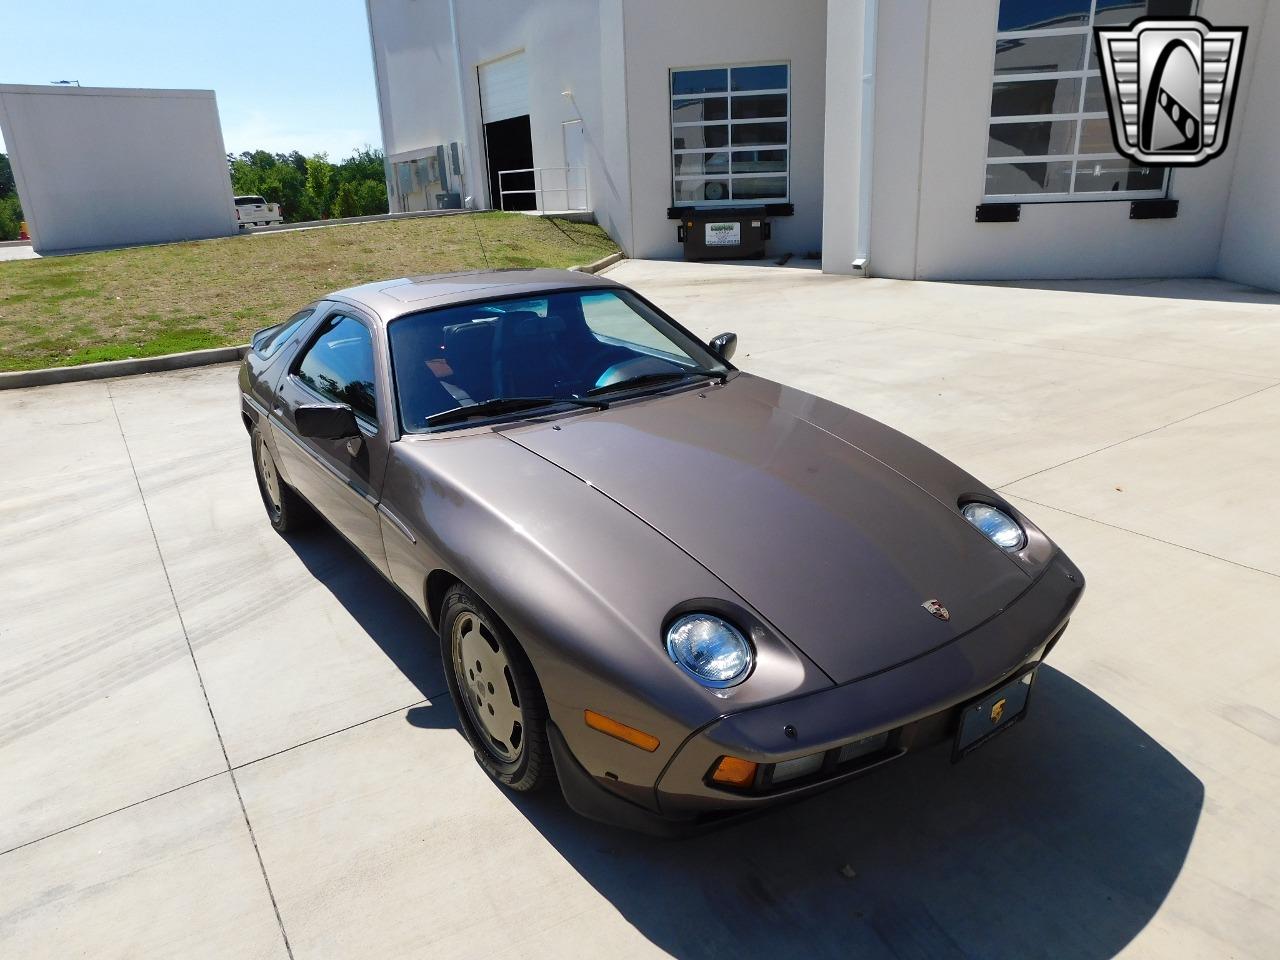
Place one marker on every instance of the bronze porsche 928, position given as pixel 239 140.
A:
pixel 681 590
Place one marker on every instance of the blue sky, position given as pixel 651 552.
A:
pixel 309 87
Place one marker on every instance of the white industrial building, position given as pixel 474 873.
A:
pixel 872 131
pixel 106 167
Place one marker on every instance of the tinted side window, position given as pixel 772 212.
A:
pixel 339 365
pixel 272 339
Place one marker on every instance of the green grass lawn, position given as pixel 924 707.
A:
pixel 145 301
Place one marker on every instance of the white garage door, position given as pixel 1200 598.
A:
pixel 504 88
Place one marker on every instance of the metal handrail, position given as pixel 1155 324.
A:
pixel 540 189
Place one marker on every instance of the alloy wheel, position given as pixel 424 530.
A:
pixel 270 478
pixel 487 687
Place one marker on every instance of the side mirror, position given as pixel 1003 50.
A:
pixel 724 345
pixel 326 421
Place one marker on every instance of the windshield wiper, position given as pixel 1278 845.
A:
pixel 500 405
pixel 651 379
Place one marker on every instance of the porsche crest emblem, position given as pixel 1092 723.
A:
pixel 936 608
pixel 997 710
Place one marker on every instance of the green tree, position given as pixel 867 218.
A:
pixel 10 217
pixel 364 164
pixel 319 184
pixel 366 173
pixel 373 197
pixel 289 189
pixel 309 188
pixel 259 159
pixel 7 186
pixel 347 202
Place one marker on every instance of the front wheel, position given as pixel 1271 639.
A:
pixel 285 509
pixel 499 702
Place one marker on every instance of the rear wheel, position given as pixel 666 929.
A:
pixel 499 702
pixel 285 509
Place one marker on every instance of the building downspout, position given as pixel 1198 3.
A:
pixel 468 153
pixel 866 158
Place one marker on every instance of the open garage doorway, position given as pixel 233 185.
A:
pixel 507 137
pixel 509 146
pixel 508 142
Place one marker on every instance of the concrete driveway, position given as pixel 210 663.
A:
pixel 217 742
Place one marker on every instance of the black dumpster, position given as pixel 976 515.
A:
pixel 726 233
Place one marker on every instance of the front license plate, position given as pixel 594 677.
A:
pixel 994 713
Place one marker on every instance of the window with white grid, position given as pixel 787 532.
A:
pixel 730 134
pixel 1050 138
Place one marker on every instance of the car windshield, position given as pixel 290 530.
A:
pixel 554 346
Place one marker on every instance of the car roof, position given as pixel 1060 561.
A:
pixel 388 299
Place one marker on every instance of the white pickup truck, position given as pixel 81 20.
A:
pixel 253 211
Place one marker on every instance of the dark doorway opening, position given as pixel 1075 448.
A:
pixel 509 145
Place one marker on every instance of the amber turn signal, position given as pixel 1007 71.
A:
pixel 620 731
pixel 734 772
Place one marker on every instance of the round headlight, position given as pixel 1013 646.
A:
pixel 1000 528
pixel 712 649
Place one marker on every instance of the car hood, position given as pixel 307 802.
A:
pixel 835 548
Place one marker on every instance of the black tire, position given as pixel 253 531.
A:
pixel 286 510
pixel 521 761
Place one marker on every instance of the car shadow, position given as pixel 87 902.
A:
pixel 1060 839
pixel 382 611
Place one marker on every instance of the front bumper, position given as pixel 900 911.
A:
pixel 916 704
